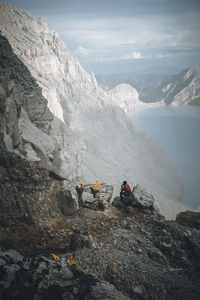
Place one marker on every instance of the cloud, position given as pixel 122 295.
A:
pixel 81 51
pixel 133 55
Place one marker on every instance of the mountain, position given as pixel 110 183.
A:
pixel 143 83
pixel 125 96
pixel 54 114
pixel 181 89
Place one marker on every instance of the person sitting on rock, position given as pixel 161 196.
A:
pixel 125 190
pixel 95 189
pixel 79 189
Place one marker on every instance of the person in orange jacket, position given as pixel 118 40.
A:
pixel 125 190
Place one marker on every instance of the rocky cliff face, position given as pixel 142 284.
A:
pixel 31 201
pixel 89 136
pixel 181 89
pixel 22 105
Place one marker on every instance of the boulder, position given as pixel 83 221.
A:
pixel 66 203
pixel 102 200
pixel 189 218
pixel 142 199
pixel 139 198
pixel 80 239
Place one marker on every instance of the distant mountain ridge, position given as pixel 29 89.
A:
pixel 143 83
pixel 181 89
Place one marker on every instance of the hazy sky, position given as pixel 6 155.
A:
pixel 123 36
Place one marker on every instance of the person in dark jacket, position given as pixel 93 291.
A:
pixel 125 190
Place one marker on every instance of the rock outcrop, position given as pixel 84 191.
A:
pixel 139 199
pixel 37 207
pixel 31 194
pixel 189 218
pixel 20 95
pixel 126 97
pixel 42 278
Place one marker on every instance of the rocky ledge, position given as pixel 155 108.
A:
pixel 123 250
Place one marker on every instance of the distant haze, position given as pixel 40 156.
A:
pixel 124 36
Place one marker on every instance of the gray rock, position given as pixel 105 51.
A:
pixel 141 198
pixel 14 255
pixel 9 274
pixel 67 204
pixel 117 202
pixel 104 291
pixel 82 239
pixel 2 262
pixel 56 277
pixel 189 218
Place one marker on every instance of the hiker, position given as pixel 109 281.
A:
pixel 125 190
pixel 95 189
pixel 79 189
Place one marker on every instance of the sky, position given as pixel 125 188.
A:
pixel 125 36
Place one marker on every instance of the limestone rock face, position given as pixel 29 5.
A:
pixel 19 93
pixel 30 195
pixel 25 120
pixel 126 97
pixel 142 198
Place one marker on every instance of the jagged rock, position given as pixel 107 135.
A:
pixel 141 198
pixel 103 291
pixel 67 204
pixel 32 201
pixel 46 279
pixel 19 94
pixel 102 200
pixel 126 96
pixel 81 239
pixel 189 218
pixel 27 192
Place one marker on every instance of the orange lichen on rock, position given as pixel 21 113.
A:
pixel 72 261
pixel 55 257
